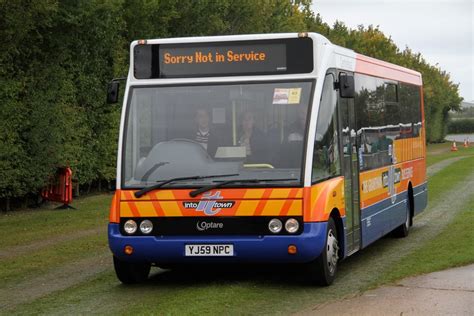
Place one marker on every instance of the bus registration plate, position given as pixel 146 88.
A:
pixel 209 250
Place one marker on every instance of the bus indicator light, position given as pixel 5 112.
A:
pixel 128 250
pixel 292 250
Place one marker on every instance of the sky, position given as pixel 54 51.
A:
pixel 441 30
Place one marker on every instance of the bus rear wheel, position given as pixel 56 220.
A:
pixel 323 269
pixel 131 273
pixel 402 230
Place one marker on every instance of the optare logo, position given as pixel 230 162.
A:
pixel 203 226
pixel 209 204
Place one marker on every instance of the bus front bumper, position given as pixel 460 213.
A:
pixel 251 249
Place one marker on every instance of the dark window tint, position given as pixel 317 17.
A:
pixel 326 152
pixel 377 120
pixel 410 110
pixel 390 92
pixel 385 112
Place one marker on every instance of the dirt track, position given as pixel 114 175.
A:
pixel 15 251
pixel 431 170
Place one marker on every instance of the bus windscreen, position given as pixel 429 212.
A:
pixel 264 57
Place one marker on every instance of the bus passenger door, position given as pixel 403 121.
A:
pixel 350 166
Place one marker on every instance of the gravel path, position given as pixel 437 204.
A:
pixel 19 250
pixel 54 280
pixel 431 170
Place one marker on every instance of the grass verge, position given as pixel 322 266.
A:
pixel 22 227
pixel 448 177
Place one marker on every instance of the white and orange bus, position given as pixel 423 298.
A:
pixel 269 148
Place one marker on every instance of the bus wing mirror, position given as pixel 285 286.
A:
pixel 112 92
pixel 346 86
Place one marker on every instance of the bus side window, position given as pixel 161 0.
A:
pixel 326 147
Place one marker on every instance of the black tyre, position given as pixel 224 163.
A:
pixel 167 266
pixel 323 270
pixel 402 230
pixel 131 273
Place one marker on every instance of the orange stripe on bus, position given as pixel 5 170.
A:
pixel 156 205
pixel 263 201
pixel 132 205
pixel 321 201
pixel 288 202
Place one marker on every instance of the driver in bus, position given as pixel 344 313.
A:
pixel 203 134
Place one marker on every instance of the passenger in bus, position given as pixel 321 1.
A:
pixel 296 130
pixel 291 149
pixel 252 139
pixel 382 143
pixel 203 134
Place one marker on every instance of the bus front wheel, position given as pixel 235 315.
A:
pixel 131 273
pixel 323 269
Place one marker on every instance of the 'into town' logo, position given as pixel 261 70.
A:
pixel 209 204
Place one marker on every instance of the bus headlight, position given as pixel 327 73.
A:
pixel 275 225
pixel 130 226
pixel 146 226
pixel 292 225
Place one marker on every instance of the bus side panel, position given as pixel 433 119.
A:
pixel 381 218
pixel 322 198
pixel 420 196
pixel 383 210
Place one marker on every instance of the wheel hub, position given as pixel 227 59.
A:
pixel 332 249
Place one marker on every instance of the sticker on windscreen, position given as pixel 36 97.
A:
pixel 294 96
pixel 280 96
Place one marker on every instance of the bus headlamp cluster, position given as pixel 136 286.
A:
pixel 130 226
pixel 291 225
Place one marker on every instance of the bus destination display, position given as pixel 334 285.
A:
pixel 223 59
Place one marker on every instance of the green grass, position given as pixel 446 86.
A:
pixel 448 177
pixel 23 227
pixel 45 228
pixel 39 261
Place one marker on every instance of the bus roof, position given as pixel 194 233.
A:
pixel 346 59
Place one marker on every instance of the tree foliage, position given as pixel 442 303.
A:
pixel 57 56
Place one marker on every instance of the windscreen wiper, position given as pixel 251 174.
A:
pixel 144 191
pixel 224 183
pixel 153 169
